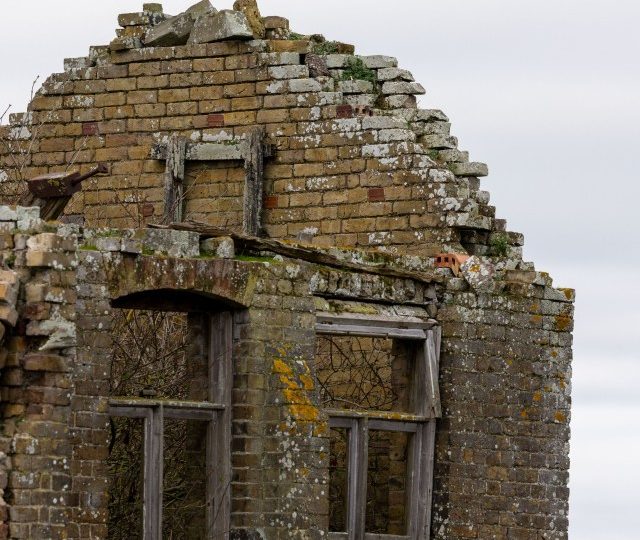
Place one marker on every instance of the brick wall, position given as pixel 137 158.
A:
pixel 356 165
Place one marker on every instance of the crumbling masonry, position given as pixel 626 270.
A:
pixel 288 201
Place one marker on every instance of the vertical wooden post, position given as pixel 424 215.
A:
pixel 174 180
pixel 357 478
pixel 221 384
pixel 254 182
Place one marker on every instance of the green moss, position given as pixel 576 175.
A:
pixel 294 36
pixel 88 247
pixel 499 245
pixel 326 47
pixel 357 70
pixel 253 258
pixel 109 233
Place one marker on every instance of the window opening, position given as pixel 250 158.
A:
pixel 378 381
pixel 170 421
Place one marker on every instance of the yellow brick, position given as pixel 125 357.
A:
pixel 308 169
pixel 205 92
pixel 243 104
pixel 321 154
pixel 208 64
pixel 272 116
pixel 305 199
pixel 174 95
pixel 121 85
pixel 153 109
pixel 159 81
pixel 110 99
pixel 183 108
pixel 243 118
pixel 123 111
pixel 142 97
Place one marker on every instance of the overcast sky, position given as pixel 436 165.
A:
pixel 547 92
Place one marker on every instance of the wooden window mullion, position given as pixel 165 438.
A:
pixel 153 469
pixel 357 474
pixel 220 384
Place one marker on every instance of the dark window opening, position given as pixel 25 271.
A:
pixel 169 462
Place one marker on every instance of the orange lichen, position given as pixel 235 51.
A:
pixel 562 323
pixel 537 397
pixel 307 381
pixel 560 417
pixel 295 391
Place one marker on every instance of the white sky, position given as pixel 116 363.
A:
pixel 547 92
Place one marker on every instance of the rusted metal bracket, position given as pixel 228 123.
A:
pixel 52 192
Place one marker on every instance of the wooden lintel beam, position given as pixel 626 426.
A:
pixel 232 151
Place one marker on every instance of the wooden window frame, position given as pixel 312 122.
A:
pixel 425 397
pixel 216 411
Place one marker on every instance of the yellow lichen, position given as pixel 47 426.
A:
pixel 562 323
pixel 560 417
pixel 295 391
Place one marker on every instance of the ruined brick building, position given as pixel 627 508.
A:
pixel 284 308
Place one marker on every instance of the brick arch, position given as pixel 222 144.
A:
pixel 137 281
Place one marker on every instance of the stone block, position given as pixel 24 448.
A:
pixel 400 101
pixel 272 22
pixel 469 169
pixel 152 8
pixel 383 122
pixel 47 259
pixel 439 142
pixel 145 18
pixel 28 217
pixel 395 74
pixel 52 242
pixel 252 13
pixel 8 315
pixel 279 59
pixel 305 85
pixel 355 87
pixel 289 72
pixel 108 243
pixel 176 30
pixel 337 61
pixel 6 242
pixel 8 292
pixel 170 242
pixel 432 128
pixel 399 87
pixel 46 362
pixel 77 63
pixel 223 247
pixel 9 276
pixel 222 26
pixel 35 292
pixel 131 245
pixel 8 213
pixel 378 61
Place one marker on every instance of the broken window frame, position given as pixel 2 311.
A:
pixel 216 411
pixel 425 400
